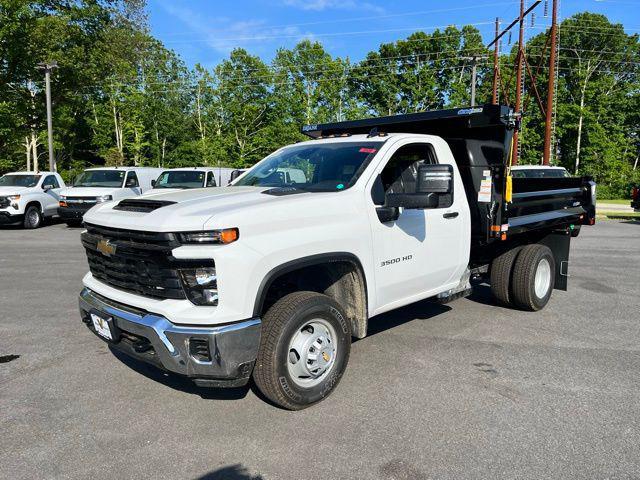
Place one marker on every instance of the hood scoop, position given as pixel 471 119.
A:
pixel 140 205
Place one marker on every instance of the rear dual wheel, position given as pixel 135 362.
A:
pixel 524 277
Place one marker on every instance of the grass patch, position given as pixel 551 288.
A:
pixel 616 201
pixel 618 215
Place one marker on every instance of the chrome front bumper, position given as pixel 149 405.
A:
pixel 152 338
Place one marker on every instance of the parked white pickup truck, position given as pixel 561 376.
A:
pixel 270 278
pixel 28 198
pixel 103 184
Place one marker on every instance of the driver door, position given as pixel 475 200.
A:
pixel 420 252
pixel 51 195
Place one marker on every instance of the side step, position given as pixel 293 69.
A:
pixel 454 294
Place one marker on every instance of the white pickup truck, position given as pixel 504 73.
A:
pixel 270 279
pixel 28 198
pixel 103 184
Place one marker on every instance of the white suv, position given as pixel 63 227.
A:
pixel 29 197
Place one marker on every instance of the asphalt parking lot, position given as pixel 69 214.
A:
pixel 463 391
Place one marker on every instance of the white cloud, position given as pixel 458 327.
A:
pixel 318 5
pixel 223 35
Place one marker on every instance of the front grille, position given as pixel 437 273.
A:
pixel 137 262
pixel 143 206
pixel 144 240
pixel 4 202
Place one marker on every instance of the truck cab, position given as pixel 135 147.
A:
pixel 27 198
pixel 271 277
pixel 103 184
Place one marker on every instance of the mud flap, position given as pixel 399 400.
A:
pixel 559 243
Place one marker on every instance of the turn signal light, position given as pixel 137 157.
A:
pixel 62 204
pixel 229 235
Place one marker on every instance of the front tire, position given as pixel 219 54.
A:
pixel 32 217
pixel 534 277
pixel 304 350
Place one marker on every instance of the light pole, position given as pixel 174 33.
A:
pixel 48 67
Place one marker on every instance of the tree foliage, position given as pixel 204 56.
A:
pixel 121 97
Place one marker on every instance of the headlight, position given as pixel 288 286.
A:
pixel 104 198
pixel 228 235
pixel 200 285
pixel 14 197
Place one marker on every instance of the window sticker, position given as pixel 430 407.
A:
pixel 368 150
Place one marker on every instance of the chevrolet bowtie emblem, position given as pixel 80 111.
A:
pixel 106 248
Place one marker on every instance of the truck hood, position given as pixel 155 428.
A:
pixel 6 191
pixel 156 191
pixel 87 191
pixel 193 208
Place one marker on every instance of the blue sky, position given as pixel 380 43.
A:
pixel 205 31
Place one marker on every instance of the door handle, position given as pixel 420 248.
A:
pixel 450 215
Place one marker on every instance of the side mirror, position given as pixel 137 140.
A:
pixel 47 187
pixel 235 174
pixel 435 179
pixel 434 189
pixel 153 183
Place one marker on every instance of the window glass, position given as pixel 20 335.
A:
pixel 180 179
pixel 401 172
pixel 314 167
pixel 19 180
pixel 211 179
pixel 100 178
pixel 132 180
pixel 51 180
pixel 540 173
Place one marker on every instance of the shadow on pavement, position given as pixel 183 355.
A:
pixel 232 472
pixel 179 383
pixel 482 294
pixel 422 310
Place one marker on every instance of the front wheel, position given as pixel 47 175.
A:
pixel 304 350
pixel 32 217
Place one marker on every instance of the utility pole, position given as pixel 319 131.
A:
pixel 518 106
pixel 474 74
pixel 474 77
pixel 48 68
pixel 496 67
pixel 546 158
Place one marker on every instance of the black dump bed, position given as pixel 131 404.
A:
pixel 480 139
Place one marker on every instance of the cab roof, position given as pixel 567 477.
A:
pixel 124 169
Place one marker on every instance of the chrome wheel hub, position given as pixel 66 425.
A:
pixel 543 278
pixel 312 353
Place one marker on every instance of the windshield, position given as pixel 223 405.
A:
pixel 19 180
pixel 323 167
pixel 180 179
pixel 540 173
pixel 100 178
